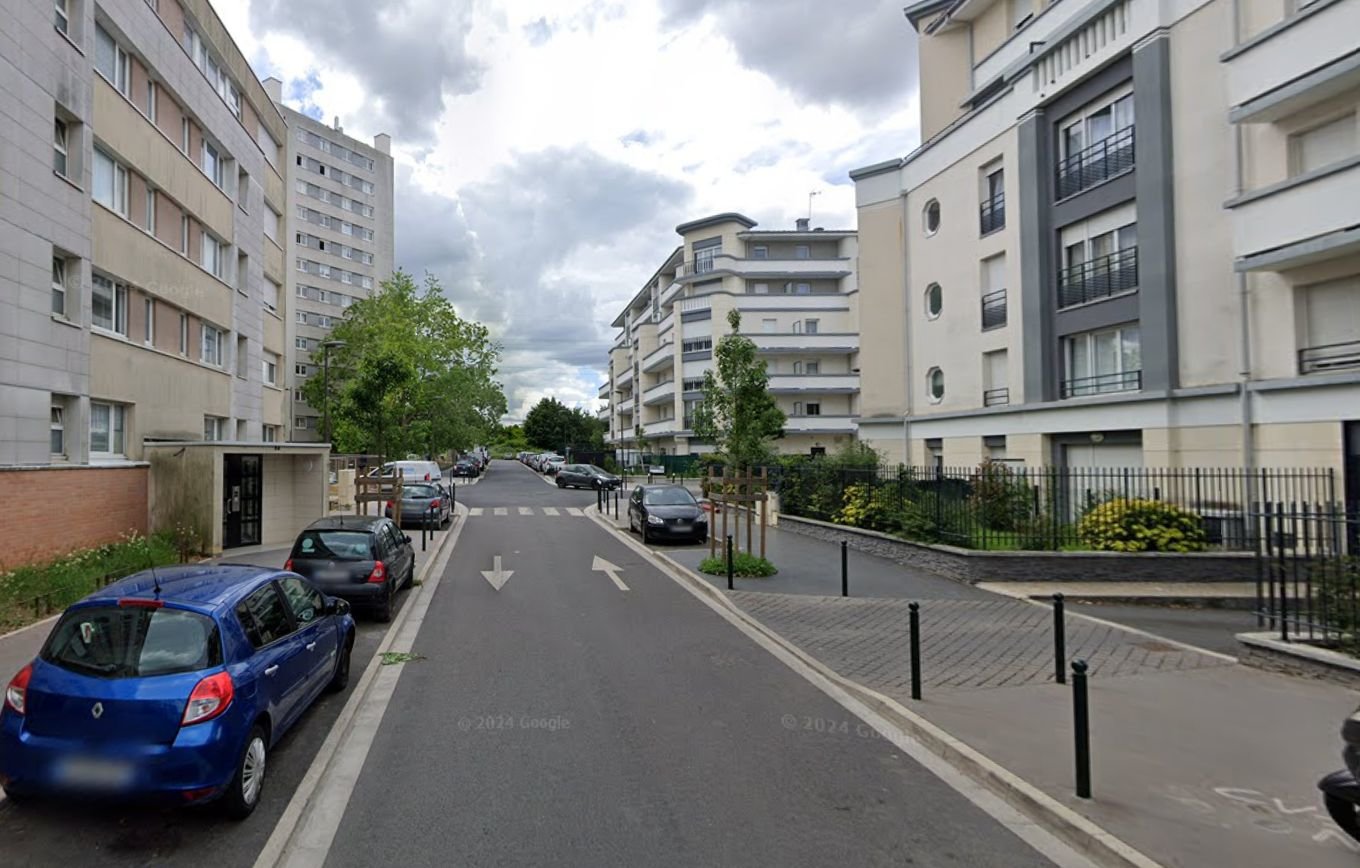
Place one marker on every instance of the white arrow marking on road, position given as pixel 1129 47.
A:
pixel 600 565
pixel 498 577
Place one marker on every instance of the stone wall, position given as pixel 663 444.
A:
pixel 967 565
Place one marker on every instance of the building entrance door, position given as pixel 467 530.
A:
pixel 242 493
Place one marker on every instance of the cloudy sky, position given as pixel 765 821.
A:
pixel 546 149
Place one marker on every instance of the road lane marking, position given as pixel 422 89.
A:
pixel 500 510
pixel 475 511
pixel 497 576
pixel 548 510
pixel 600 565
pixel 572 510
pixel 524 510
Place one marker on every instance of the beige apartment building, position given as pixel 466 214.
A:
pixel 798 297
pixel 339 240
pixel 1130 236
pixel 144 318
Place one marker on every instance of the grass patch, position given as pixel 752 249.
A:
pixel 33 592
pixel 394 658
pixel 744 565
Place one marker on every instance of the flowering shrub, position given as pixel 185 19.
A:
pixel 866 506
pixel 1138 525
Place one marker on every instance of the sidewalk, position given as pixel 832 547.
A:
pixel 1197 760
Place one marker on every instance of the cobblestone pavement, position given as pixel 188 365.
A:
pixel 965 644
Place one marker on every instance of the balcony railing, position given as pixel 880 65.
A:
pixel 1100 162
pixel 996 397
pixel 1102 384
pixel 1099 278
pixel 992 214
pixel 696 266
pixel 994 309
pixel 1329 357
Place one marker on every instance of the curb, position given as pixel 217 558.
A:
pixel 1064 823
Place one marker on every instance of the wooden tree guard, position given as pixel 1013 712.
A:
pixel 729 492
pixel 378 489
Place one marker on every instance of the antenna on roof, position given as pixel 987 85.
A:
pixel 155 579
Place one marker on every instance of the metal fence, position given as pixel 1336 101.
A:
pixel 1000 506
pixel 1309 573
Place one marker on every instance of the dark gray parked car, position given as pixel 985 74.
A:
pixel 587 476
pixel 359 558
pixel 419 500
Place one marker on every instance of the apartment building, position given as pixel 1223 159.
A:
pixel 798 297
pixel 339 240
pixel 1128 237
pixel 142 318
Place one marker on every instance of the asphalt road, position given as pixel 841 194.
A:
pixel 565 721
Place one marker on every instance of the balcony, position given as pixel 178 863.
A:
pixel 1099 278
pixel 782 384
pixel 994 310
pixel 1102 384
pixel 726 263
pixel 604 392
pixel 623 382
pixel 1271 224
pixel 1302 60
pixel 992 214
pixel 669 293
pixel 660 428
pixel 809 302
pixel 1111 156
pixel 690 305
pixel 1329 357
pixel 660 358
pixel 802 343
pixel 660 393
pixel 820 425
pixel 996 397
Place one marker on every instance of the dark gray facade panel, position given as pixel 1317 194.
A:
pixel 1036 296
pixel 1093 200
pixel 1097 315
pixel 1156 214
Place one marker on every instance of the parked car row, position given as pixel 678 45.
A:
pixel 544 462
pixel 173 685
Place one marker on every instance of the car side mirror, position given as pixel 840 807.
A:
pixel 406 538
pixel 339 608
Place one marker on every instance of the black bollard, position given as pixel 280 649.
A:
pixel 1081 726
pixel 729 562
pixel 914 622
pixel 845 569
pixel 1059 640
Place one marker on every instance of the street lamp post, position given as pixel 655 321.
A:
pixel 326 387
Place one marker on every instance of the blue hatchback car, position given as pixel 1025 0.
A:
pixel 173 686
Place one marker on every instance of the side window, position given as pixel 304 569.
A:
pixel 264 617
pixel 394 538
pixel 306 602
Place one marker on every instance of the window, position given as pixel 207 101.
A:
pixel 810 326
pixel 1099 265
pixel 1096 363
pixel 760 251
pixel 270 369
pixel 931 214
pixel 184 235
pixel 762 289
pixel 243 190
pixel 149 309
pixel 271 224
pixel 110 60
pixel 300 343
pixel 812 409
pixel 212 255
pixel 797 408
pixel 110 183
pixel 184 136
pixel 59 286
pixel 63 18
pixel 802 288
pixel 213 426
pixel 272 291
pixel 58 430
pixel 149 206
pixel 703 256
pixel 935 385
pixel 210 349
pixel 302 317
pixel 1021 13
pixel 106 429
pixel 301 423
pixel 151 101
pixel 212 164
pixel 769 326
pixel 300 370
pixel 184 334
pixel 242 357
pixel 1095 144
pixel 271 433
pixel 697 345
pixel 802 251
pixel 263 617
pixel 60 151
pixel 992 211
pixel 108 308
pixel 1324 145
pixel 812 368
pixel 306 602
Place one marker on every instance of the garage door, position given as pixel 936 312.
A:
pixel 1097 474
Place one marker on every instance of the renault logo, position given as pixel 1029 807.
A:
pixel 98 710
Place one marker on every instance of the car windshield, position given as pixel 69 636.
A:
pixel 135 641
pixel 338 545
pixel 668 497
pixel 598 471
pixel 419 492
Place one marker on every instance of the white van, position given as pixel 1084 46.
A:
pixel 412 471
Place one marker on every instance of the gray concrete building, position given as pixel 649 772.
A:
pixel 339 223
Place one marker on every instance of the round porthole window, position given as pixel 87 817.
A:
pixel 935 385
pixel 934 301
pixel 932 216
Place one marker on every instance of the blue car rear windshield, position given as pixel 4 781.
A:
pixel 117 642
pixel 334 545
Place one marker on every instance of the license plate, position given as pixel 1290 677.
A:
pixel 95 773
pixel 683 526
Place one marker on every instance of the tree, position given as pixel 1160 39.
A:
pixel 412 377
pixel 738 413
pixel 553 425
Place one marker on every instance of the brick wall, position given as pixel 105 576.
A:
pixel 50 511
pixel 967 565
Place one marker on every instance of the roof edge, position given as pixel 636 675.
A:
pixel 725 217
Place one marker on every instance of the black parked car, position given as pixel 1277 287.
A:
pixel 363 559
pixel 467 467
pixel 587 476
pixel 666 511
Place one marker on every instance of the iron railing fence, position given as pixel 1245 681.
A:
pixel 1308 572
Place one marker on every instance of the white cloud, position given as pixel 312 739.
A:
pixel 548 148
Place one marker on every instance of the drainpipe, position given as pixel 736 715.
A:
pixel 1243 326
pixel 907 345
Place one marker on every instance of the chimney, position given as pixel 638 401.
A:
pixel 338 128
pixel 802 224
pixel 383 142
pixel 274 88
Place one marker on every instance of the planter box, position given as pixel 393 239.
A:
pixel 970 566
